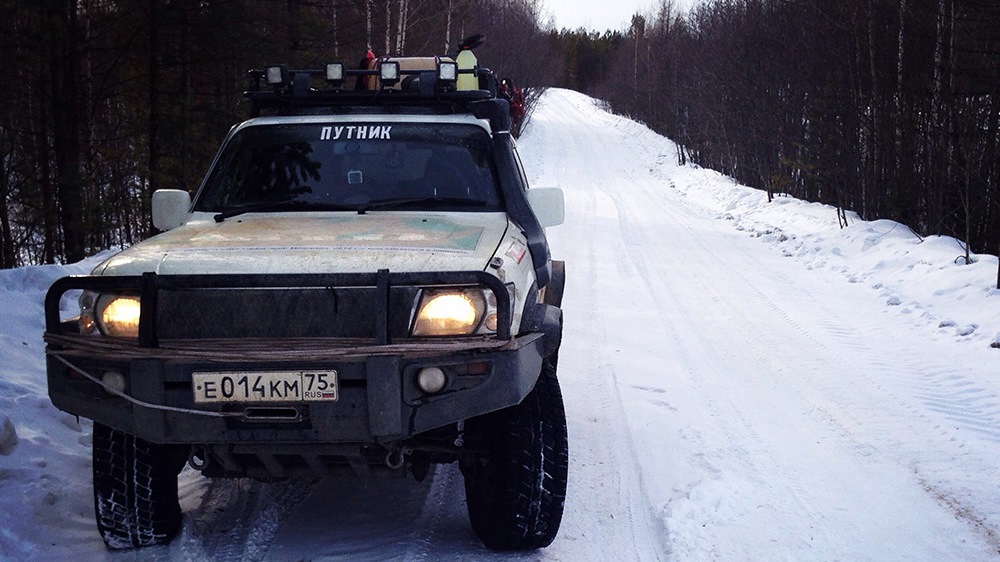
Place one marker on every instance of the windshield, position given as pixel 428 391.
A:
pixel 401 166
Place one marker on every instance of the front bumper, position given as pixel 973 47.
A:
pixel 379 400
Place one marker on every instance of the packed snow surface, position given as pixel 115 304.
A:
pixel 744 380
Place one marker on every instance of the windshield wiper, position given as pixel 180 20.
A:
pixel 403 202
pixel 288 205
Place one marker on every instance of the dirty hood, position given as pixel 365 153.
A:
pixel 317 243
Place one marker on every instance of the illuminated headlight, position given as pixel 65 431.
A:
pixel 118 315
pixel 457 312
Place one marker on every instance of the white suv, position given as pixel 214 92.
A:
pixel 362 281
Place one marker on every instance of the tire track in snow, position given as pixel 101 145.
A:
pixel 607 505
pixel 631 241
pixel 441 532
pixel 236 519
pixel 605 481
pixel 737 435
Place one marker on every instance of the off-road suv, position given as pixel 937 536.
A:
pixel 362 280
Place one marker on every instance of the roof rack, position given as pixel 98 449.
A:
pixel 390 81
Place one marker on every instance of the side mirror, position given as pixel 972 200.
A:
pixel 171 208
pixel 548 205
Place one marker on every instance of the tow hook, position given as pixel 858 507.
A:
pixel 198 458
pixel 396 458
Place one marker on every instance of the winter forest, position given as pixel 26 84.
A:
pixel 885 107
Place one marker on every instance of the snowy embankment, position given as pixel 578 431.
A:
pixel 926 277
pixel 744 380
pixel 44 453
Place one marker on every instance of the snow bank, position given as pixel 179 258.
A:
pixel 925 279
pixel 44 453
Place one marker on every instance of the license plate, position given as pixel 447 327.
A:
pixel 269 386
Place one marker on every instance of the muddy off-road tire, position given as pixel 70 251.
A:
pixel 516 490
pixel 135 489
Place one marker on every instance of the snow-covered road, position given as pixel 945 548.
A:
pixel 743 380
pixel 776 411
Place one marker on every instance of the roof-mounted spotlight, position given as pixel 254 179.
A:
pixel 335 73
pixel 277 75
pixel 447 72
pixel 388 73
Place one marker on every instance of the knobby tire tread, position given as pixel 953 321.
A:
pixel 516 498
pixel 135 490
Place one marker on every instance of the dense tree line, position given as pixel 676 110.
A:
pixel 885 107
pixel 889 108
pixel 107 101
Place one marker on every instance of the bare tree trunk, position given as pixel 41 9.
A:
pixel 183 181
pixel 336 35
pixel 901 47
pixel 388 27
pixel 7 258
pixel 447 30
pixel 876 115
pixel 153 130
pixel 939 57
pixel 401 26
pixel 368 23
pixel 64 65
pixel 293 25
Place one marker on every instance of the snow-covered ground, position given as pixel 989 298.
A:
pixel 744 380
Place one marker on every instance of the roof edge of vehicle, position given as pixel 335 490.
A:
pixel 321 118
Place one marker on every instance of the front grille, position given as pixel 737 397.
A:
pixel 343 312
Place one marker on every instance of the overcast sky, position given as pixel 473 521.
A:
pixel 602 14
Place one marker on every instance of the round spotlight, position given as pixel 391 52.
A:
pixel 431 380
pixel 113 380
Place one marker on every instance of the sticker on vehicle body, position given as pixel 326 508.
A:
pixel 356 132
pixel 516 251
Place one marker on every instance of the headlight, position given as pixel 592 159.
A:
pixel 118 315
pixel 449 312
